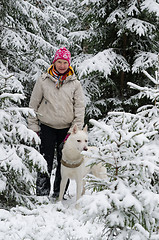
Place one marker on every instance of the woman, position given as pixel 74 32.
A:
pixel 58 102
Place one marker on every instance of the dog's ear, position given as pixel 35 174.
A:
pixel 85 128
pixel 75 129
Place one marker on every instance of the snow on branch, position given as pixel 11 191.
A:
pixel 104 62
pixel 144 60
pixel 151 6
pixel 14 96
pixel 80 35
pixel 104 127
pixel 117 14
pixel 140 27
pixel 134 86
pixel 151 93
pixel 151 78
pixel 6 76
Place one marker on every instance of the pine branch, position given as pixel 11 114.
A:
pixel 1 160
pixel 151 78
pixel 6 77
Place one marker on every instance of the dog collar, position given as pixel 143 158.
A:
pixel 74 165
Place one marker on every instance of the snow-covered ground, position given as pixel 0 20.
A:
pixel 50 221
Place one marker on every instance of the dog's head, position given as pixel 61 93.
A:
pixel 79 138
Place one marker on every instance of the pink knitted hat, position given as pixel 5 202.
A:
pixel 64 54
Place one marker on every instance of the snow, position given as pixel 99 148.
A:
pixel 103 62
pixel 52 220
pixel 132 10
pixel 10 36
pixel 2 185
pixel 144 60
pixel 89 1
pixel 117 14
pixel 14 97
pixel 79 35
pixel 141 28
pixel 151 6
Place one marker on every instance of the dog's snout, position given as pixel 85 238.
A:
pixel 85 148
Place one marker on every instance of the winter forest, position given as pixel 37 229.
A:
pixel 115 54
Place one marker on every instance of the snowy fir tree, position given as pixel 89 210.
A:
pixel 118 39
pixel 128 147
pixel 19 160
pixel 32 31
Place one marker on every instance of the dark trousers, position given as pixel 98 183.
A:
pixel 50 140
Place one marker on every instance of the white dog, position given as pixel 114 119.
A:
pixel 73 163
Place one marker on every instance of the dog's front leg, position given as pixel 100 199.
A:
pixel 83 187
pixel 62 187
pixel 78 189
pixel 78 192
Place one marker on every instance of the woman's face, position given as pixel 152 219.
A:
pixel 61 65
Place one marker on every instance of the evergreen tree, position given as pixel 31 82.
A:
pixel 19 161
pixel 32 31
pixel 118 39
pixel 128 147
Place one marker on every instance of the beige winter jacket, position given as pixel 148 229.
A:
pixel 57 108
